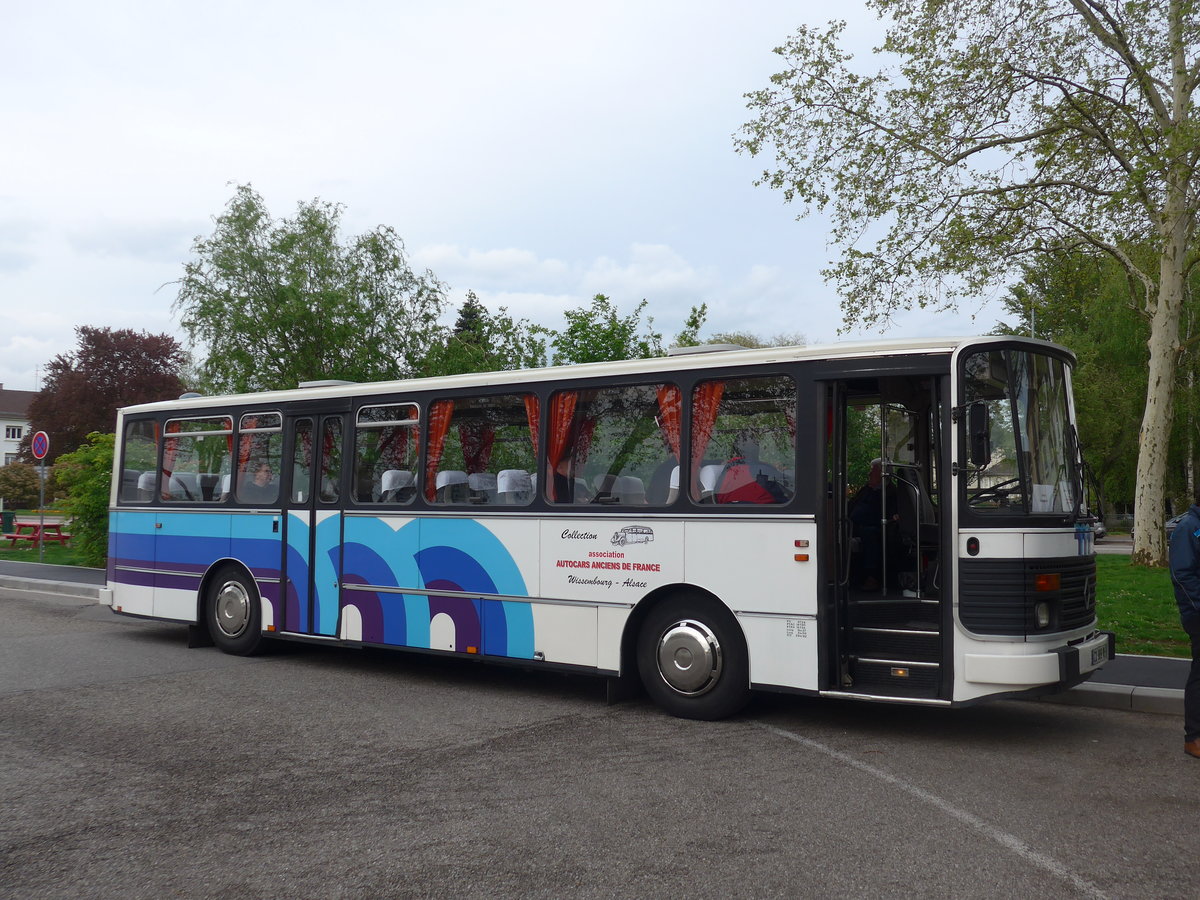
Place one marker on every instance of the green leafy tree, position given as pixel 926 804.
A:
pixel 598 333
pixel 277 302
pixel 689 335
pixel 19 485
pixel 992 133
pixel 484 342
pixel 753 341
pixel 85 476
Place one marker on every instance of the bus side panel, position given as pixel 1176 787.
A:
pixel 766 572
pixel 131 536
pixel 255 542
pixel 187 546
pixel 596 562
pixel 430 555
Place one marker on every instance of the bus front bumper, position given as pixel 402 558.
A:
pixel 1066 665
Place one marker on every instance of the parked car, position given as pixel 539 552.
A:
pixel 1172 522
pixel 1099 529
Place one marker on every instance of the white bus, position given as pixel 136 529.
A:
pixel 688 521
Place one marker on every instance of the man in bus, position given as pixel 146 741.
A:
pixel 262 489
pixel 866 512
pixel 1184 557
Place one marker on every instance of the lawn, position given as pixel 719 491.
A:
pixel 55 554
pixel 1138 605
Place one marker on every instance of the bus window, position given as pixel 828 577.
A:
pixel 331 460
pixel 302 462
pixel 613 445
pixel 473 442
pixel 196 454
pixel 743 446
pixel 385 454
pixel 140 461
pixel 260 453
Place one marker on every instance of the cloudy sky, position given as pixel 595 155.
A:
pixel 535 152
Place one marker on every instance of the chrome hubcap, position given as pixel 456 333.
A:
pixel 689 657
pixel 232 609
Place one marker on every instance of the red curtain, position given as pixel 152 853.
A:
pixel 562 416
pixel 245 445
pixel 706 400
pixel 534 417
pixel 670 412
pixel 440 414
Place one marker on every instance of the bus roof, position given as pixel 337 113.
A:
pixel 679 362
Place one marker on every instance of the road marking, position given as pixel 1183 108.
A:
pixel 999 835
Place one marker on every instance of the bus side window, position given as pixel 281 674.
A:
pixel 743 440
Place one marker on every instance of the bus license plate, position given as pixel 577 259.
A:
pixel 1099 655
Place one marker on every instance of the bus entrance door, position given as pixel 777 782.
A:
pixel 886 540
pixel 312 543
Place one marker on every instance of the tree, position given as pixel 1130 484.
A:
pixel 109 369
pixel 598 334
pixel 280 302
pixel 1006 131
pixel 85 475
pixel 753 341
pixel 19 485
pixel 483 342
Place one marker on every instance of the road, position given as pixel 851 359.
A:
pixel 133 766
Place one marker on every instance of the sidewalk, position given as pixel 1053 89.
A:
pixel 1152 684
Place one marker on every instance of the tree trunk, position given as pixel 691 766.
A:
pixel 1150 543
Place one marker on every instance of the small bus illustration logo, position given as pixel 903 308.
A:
pixel 633 534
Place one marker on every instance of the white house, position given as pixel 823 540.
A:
pixel 14 422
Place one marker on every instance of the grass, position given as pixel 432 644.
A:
pixel 55 554
pixel 1138 605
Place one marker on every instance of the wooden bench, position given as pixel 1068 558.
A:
pixel 35 532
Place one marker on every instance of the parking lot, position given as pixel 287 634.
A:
pixel 136 767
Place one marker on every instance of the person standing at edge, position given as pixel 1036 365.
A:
pixel 1184 559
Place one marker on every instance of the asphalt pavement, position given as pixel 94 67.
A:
pixel 1152 684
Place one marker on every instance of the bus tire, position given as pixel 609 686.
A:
pixel 233 612
pixel 692 658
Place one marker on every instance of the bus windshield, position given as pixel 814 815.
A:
pixel 1020 441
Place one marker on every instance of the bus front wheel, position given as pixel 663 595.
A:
pixel 233 612
pixel 692 659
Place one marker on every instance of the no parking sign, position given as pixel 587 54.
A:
pixel 40 445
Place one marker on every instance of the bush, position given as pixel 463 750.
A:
pixel 85 474
pixel 19 486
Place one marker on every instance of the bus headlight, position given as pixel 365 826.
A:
pixel 1041 612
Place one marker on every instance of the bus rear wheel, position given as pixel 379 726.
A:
pixel 692 659
pixel 233 612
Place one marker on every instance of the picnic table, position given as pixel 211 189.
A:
pixel 38 532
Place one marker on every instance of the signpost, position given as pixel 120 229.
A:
pixel 40 447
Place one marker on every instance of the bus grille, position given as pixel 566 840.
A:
pixel 998 596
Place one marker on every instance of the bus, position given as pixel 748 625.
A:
pixel 693 522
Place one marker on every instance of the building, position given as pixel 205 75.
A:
pixel 14 422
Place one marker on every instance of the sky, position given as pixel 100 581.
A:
pixel 537 153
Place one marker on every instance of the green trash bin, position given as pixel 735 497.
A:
pixel 6 521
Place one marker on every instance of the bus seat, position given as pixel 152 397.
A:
pixel 673 490
pixel 452 486
pixel 514 487
pixel 223 488
pixel 709 476
pixel 129 484
pixel 630 489
pixel 397 486
pixel 145 486
pixel 184 486
pixel 482 486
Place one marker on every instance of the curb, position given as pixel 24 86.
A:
pixel 41 589
pixel 1163 701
